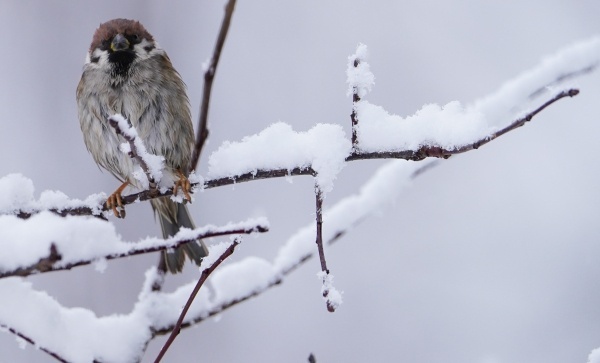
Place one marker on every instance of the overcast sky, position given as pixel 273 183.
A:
pixel 491 257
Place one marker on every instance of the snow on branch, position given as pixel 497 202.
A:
pixel 433 131
pixel 152 165
pixel 454 126
pixel 240 281
pixel 82 336
pixel 46 242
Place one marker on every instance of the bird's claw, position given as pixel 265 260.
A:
pixel 184 184
pixel 115 202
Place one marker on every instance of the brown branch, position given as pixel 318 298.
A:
pixel 353 116
pixel 177 328
pixel 219 309
pixel 438 152
pixel 48 264
pixel 425 151
pixel 209 76
pixel 319 241
pixel 32 342
pixel 133 152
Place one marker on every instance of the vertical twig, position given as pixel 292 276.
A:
pixel 353 116
pixel 319 217
pixel 177 328
pixel 327 287
pixel 209 76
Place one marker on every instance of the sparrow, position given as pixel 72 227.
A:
pixel 126 72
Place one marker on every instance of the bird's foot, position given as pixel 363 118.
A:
pixel 115 202
pixel 184 184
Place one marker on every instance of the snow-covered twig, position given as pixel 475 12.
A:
pixel 205 274
pixel 324 274
pixel 54 355
pixel 54 261
pixel 427 151
pixel 209 76
pixel 380 190
pixel 137 150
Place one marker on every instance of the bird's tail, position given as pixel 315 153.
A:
pixel 172 217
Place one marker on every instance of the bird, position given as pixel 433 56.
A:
pixel 126 72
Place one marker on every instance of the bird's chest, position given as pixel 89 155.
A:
pixel 138 103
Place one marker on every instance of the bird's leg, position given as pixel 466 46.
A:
pixel 184 184
pixel 115 203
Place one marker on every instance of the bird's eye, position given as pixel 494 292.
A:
pixel 105 44
pixel 135 38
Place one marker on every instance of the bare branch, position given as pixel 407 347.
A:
pixel 205 273
pixel 49 263
pixel 209 75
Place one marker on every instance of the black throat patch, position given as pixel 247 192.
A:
pixel 121 61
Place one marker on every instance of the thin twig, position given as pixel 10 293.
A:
pixel 133 152
pixel 209 76
pixel 353 115
pixel 319 239
pixel 250 294
pixel 32 342
pixel 48 264
pixel 177 328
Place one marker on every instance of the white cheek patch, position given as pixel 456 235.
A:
pixel 98 58
pixel 146 49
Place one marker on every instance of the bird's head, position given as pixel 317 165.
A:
pixel 119 43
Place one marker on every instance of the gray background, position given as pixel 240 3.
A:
pixel 491 257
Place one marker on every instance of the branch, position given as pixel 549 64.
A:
pixel 329 293
pixel 32 342
pixel 427 151
pixel 353 117
pixel 205 273
pixel 424 152
pixel 130 134
pixel 51 262
pixel 209 75
pixel 365 211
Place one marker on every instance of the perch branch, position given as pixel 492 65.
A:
pixel 415 155
pixel 205 273
pixel 209 76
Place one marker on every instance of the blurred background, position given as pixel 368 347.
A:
pixel 490 257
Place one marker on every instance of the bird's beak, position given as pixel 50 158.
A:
pixel 119 42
